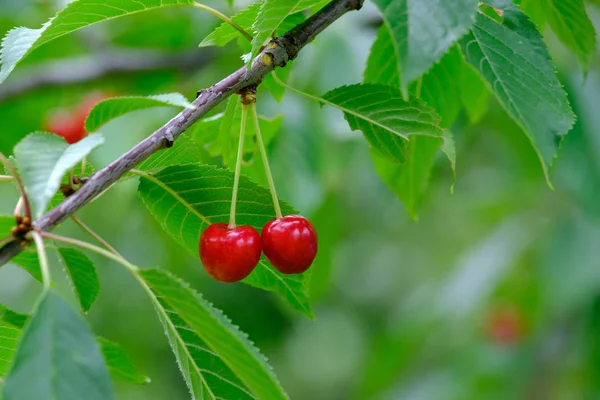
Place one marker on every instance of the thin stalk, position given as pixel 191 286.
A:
pixel 93 234
pixel 72 178
pixel 265 160
pixel 39 244
pixel 17 178
pixel 19 206
pixel 418 88
pixel 96 249
pixel 83 162
pixel 6 178
pixel 224 18
pixel 238 166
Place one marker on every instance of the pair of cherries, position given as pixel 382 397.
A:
pixel 229 254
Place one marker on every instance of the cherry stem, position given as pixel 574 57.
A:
pixel 265 160
pixel 39 244
pixel 17 178
pixel 224 18
pixel 238 166
pixel 6 178
pixel 96 249
pixel 93 234
pixel 19 206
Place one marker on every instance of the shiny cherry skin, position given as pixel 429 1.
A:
pixel 229 254
pixel 290 243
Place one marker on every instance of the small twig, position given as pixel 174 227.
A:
pixel 91 247
pixel 45 268
pixel 6 178
pixel 93 234
pixel 224 18
pixel 17 179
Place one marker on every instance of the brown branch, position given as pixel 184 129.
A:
pixel 280 51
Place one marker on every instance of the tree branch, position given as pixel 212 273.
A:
pixel 277 53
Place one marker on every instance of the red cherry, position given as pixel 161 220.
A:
pixel 506 326
pixel 229 254
pixel 290 243
pixel 67 125
pixel 71 125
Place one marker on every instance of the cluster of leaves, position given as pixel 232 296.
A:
pixel 431 59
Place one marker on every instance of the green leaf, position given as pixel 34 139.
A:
pixel 83 276
pixel 118 361
pixel 43 159
pixel 225 33
pixel 571 24
pixel 423 30
pixel 185 150
pixel 58 357
pixel 382 64
pixel 513 59
pixel 120 364
pixel 441 90
pixel 409 181
pixel 20 42
pixel 272 15
pixel 30 262
pixel 226 130
pixel 9 340
pixel 224 143
pixel 11 323
pixel 474 93
pixel 112 108
pixel 12 318
pixel 217 360
pixel 385 119
pixel 186 199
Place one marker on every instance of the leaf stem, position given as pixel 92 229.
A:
pixel 238 166
pixel 17 178
pixel 418 88
pixel 6 178
pixel 265 160
pixel 39 244
pixel 83 162
pixel 72 178
pixel 224 18
pixel 93 234
pixel 96 249
pixel 19 206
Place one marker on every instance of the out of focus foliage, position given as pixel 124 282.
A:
pixel 493 294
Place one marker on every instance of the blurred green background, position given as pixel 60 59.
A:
pixel 493 294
